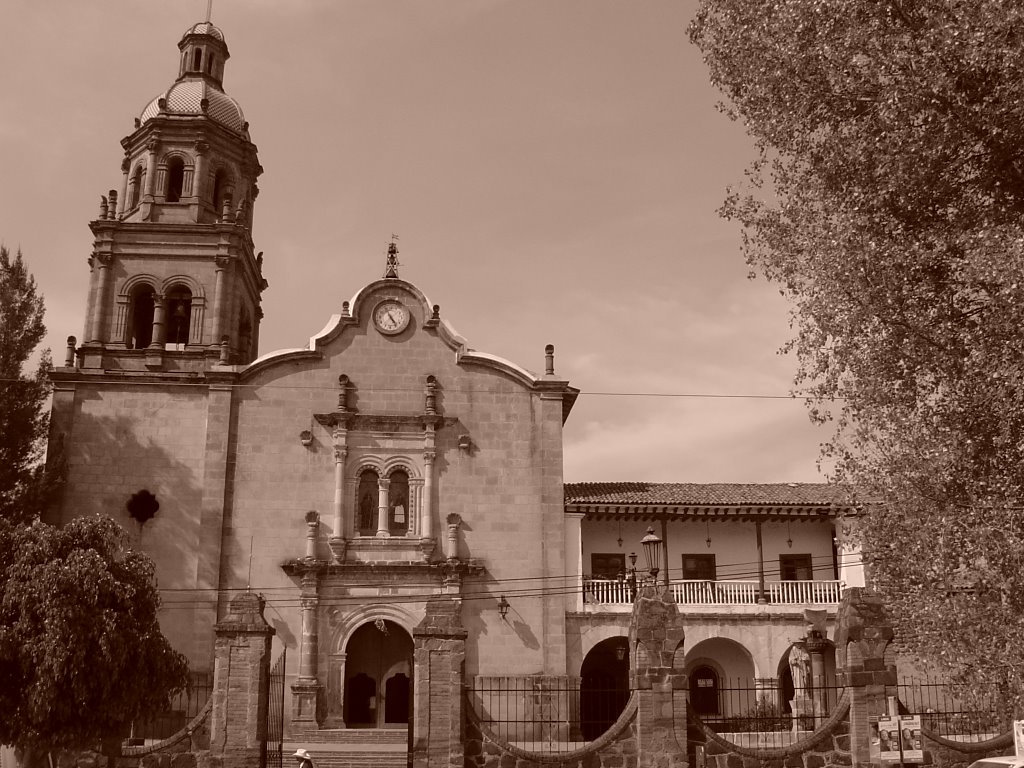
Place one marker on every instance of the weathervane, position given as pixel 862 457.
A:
pixel 391 270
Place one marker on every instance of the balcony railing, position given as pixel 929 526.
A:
pixel 701 592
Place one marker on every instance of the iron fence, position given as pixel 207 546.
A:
pixel 183 708
pixel 762 713
pixel 547 713
pixel 973 713
pixel 275 713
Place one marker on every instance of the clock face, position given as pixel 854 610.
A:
pixel 391 317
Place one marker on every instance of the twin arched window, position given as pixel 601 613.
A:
pixel 169 328
pixel 395 496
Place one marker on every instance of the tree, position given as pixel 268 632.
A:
pixel 887 202
pixel 25 486
pixel 81 653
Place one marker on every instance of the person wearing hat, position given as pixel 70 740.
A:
pixel 305 760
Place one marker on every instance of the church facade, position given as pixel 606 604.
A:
pixel 381 466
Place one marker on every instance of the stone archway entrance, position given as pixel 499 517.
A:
pixel 604 686
pixel 378 676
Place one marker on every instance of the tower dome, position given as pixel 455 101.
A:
pixel 199 90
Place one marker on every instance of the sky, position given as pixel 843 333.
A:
pixel 552 169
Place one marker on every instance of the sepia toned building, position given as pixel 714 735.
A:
pixel 381 469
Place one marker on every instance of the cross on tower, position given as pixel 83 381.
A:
pixel 391 269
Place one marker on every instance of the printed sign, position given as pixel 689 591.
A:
pixel 910 739
pixel 885 738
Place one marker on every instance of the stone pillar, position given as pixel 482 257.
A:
pixel 159 307
pixel 451 548
pixel 221 264
pixel 427 518
pixel 337 539
pixel 863 631
pixel 306 688
pixel 123 200
pixel 439 653
pixel 656 637
pixel 98 331
pixel 816 647
pixel 241 685
pixel 382 508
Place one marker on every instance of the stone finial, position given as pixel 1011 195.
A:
pixel 225 350
pixel 69 353
pixel 343 382
pixel 245 614
pixel 103 207
pixel 345 309
pixel 312 524
pixel 112 208
pixel 452 543
pixel 225 209
pixel 430 396
pixel 549 360
pixel 435 313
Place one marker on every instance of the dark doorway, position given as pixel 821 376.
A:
pixel 604 686
pixel 704 691
pixel 378 674
pixel 140 330
pixel 396 699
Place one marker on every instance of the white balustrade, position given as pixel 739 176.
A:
pixel 704 592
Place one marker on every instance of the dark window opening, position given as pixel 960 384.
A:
pixel 175 179
pixel 197 60
pixel 699 567
pixel 607 565
pixel 140 327
pixel 795 568
pixel 179 317
pixel 135 191
pixel 398 503
pixel 209 64
pixel 367 503
pixel 142 506
pixel 220 190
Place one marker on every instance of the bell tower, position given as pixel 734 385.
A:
pixel 175 282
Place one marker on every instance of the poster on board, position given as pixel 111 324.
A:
pixel 910 739
pixel 885 740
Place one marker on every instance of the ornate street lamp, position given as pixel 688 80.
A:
pixel 652 551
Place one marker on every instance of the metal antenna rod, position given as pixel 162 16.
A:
pixel 248 580
pixel 209 10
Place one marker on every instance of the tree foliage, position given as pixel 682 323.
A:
pixel 25 486
pixel 81 652
pixel 886 201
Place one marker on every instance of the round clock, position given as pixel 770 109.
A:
pixel 391 316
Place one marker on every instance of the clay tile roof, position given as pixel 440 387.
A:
pixel 705 494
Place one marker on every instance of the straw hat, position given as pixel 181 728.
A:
pixel 302 754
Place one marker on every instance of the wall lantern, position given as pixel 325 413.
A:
pixel 503 606
pixel 305 437
pixel 465 443
pixel 652 551
pixel 620 651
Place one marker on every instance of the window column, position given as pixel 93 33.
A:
pixel 427 503
pixel 382 508
pixel 159 303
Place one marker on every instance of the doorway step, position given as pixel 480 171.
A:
pixel 352 747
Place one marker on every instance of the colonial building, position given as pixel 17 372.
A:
pixel 383 465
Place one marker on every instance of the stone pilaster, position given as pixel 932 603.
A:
pixel 241 685
pixel 863 631
pixel 656 637
pixel 439 653
pixel 306 689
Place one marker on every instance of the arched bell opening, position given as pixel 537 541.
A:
pixel 378 676
pixel 141 309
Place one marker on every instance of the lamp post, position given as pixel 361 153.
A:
pixel 652 551
pixel 631 577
